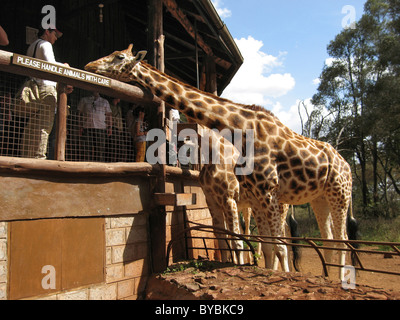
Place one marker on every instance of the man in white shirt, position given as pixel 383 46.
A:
pixel 96 124
pixel 37 130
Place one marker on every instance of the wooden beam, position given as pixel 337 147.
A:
pixel 179 15
pixel 21 166
pixel 157 219
pixel 117 89
pixel 175 199
pixel 61 134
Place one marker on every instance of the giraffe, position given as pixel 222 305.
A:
pixel 225 198
pixel 288 168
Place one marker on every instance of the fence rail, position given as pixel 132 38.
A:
pixel 302 242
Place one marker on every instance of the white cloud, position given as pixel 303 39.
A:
pixel 316 81
pixel 255 83
pixel 222 12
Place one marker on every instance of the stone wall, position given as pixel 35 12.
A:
pixel 3 260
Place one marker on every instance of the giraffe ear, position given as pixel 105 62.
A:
pixel 130 48
pixel 140 56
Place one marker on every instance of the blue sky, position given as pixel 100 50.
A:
pixel 284 45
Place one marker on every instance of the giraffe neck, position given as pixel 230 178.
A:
pixel 203 108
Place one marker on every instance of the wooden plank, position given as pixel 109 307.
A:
pixel 24 198
pixel 9 165
pixel 116 89
pixel 175 199
pixel 179 15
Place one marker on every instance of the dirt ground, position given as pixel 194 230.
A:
pixel 215 281
pixel 311 263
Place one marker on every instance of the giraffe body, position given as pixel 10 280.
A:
pixel 288 168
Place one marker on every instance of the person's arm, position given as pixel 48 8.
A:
pixel 3 37
pixel 48 53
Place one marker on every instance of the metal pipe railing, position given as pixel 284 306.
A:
pixel 294 241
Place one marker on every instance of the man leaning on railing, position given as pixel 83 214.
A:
pixel 39 97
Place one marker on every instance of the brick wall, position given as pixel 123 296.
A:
pixel 3 260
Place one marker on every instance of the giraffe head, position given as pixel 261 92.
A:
pixel 117 65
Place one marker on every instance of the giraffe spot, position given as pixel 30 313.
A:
pixel 209 100
pixel 283 167
pixel 271 129
pixel 170 99
pixel 289 150
pixel 190 113
pixel 200 115
pixel 159 90
pixel 300 175
pixel 294 185
pixel 247 114
pixel 287 175
pixel 199 104
pixel 156 77
pixel 182 106
pixel 147 80
pixel 310 173
pixel 193 96
pixel 261 133
pixel 313 186
pixel 175 88
pixel 236 121
pixel 304 154
pixel 322 159
pixel 322 172
pixel 219 110
pixel 295 162
pixel 281 158
pixel 215 124
pixel 260 151
pixel 311 162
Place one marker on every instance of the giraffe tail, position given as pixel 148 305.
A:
pixel 352 231
pixel 293 226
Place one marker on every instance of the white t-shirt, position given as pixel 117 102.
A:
pixel 44 51
pixel 95 111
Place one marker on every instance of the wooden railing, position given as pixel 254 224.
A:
pixel 29 67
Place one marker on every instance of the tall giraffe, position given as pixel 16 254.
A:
pixel 288 168
pixel 225 198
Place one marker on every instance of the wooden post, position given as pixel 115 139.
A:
pixel 211 76
pixel 61 121
pixel 158 215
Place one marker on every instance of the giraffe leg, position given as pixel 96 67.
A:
pixel 280 250
pixel 271 224
pixel 339 218
pixel 218 219
pixel 322 214
pixel 247 219
pixel 233 223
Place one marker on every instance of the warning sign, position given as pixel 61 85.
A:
pixel 61 70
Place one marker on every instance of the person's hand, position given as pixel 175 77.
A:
pixel 69 89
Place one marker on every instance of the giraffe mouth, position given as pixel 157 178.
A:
pixel 92 67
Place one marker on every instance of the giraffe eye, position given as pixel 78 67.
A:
pixel 119 58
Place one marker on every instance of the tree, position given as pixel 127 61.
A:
pixel 360 89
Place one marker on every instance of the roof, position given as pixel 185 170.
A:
pixel 180 25
pixel 126 21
